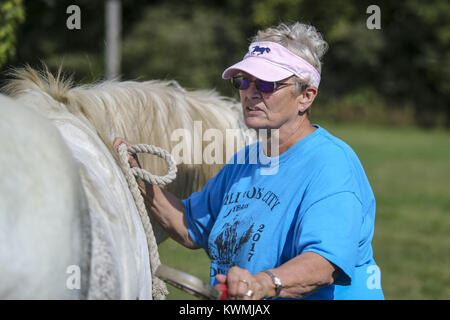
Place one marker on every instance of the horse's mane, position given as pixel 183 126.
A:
pixel 141 112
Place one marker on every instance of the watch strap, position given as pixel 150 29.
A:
pixel 276 282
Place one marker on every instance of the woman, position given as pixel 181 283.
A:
pixel 303 230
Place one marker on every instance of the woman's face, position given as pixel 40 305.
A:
pixel 268 110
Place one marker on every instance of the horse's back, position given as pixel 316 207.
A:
pixel 44 219
pixel 120 267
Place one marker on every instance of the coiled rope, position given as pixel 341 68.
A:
pixel 159 289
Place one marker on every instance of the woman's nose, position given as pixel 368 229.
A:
pixel 252 91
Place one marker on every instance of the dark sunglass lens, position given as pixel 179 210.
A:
pixel 236 82
pixel 265 86
pixel 241 83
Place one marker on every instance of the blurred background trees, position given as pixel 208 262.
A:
pixel 11 15
pixel 398 75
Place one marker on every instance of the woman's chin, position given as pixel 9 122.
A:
pixel 254 123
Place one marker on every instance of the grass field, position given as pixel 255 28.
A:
pixel 409 170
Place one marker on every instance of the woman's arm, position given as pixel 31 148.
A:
pixel 300 277
pixel 168 211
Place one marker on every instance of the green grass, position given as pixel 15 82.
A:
pixel 409 170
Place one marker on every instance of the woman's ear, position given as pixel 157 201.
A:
pixel 306 98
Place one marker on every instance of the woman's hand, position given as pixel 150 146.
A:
pixel 134 163
pixel 132 159
pixel 166 208
pixel 300 276
pixel 242 285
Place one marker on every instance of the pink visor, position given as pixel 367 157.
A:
pixel 270 61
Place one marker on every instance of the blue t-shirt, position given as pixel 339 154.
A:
pixel 259 212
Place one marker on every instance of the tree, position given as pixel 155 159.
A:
pixel 402 68
pixel 192 45
pixel 11 16
pixel 405 63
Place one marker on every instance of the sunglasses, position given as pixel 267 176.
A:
pixel 241 83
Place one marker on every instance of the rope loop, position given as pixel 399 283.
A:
pixel 159 289
pixel 144 174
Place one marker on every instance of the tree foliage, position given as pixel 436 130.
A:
pixel 400 71
pixel 11 15
pixel 191 47
pixel 406 63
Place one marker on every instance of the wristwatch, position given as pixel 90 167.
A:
pixel 276 282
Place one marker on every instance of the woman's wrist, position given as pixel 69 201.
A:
pixel 267 284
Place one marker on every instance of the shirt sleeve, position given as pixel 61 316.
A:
pixel 203 207
pixel 331 228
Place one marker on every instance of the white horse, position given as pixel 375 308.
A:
pixel 71 205
pixel 44 218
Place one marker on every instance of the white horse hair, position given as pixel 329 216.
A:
pixel 141 112
pixel 79 153
pixel 43 209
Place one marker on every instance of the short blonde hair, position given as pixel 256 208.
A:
pixel 302 39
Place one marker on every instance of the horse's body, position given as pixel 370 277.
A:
pixel 87 120
pixel 43 209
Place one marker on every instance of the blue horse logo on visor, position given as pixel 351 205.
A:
pixel 260 50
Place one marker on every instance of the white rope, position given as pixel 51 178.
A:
pixel 159 289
